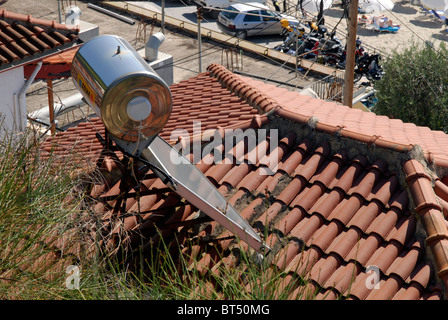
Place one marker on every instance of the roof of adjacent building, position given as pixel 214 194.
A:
pixel 24 38
pixel 353 192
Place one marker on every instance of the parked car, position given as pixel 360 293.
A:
pixel 208 5
pixel 249 19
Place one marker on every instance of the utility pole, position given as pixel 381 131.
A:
pixel 200 38
pixel 350 53
pixel 59 11
pixel 163 17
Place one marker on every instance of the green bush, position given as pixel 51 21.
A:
pixel 36 207
pixel 415 87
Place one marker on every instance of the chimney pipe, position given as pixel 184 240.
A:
pixel 152 46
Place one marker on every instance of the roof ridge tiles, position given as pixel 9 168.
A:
pixel 30 19
pixel 420 184
pixel 430 212
pixel 242 89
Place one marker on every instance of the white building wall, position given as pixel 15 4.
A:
pixel 12 118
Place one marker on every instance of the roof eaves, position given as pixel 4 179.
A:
pixel 29 19
pixel 64 37
pixel 42 56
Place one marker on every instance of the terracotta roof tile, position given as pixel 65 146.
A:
pixel 403 229
pixel 344 242
pixel 341 280
pixel 364 217
pixel 385 256
pixel 413 292
pixel 327 202
pixel 359 290
pixel 390 132
pixel 324 268
pixel 383 223
pixel 364 249
pixel 389 288
pixel 331 210
pixel 25 37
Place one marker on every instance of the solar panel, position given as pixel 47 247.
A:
pixel 134 104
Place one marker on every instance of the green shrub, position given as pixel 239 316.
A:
pixel 36 206
pixel 415 87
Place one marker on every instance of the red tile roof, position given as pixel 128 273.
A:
pixel 355 123
pixel 343 203
pixel 201 98
pixel 54 66
pixel 23 37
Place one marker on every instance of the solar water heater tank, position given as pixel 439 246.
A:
pixel 134 104
pixel 131 99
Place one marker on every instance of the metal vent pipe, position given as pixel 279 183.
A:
pixel 152 46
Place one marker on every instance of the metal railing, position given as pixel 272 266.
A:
pixel 329 88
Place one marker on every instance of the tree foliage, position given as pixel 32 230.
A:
pixel 415 87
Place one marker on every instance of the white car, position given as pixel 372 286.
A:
pixel 214 6
pixel 250 19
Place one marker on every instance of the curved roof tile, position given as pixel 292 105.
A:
pixel 329 210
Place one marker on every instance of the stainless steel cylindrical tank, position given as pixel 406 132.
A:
pixel 131 99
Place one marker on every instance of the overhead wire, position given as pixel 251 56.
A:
pixel 194 56
pixel 281 65
pixel 186 59
pixel 337 31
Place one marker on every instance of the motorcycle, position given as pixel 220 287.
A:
pixel 324 47
pixel 313 45
pixel 369 65
pixel 330 50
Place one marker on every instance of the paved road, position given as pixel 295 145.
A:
pixel 181 10
pixel 185 61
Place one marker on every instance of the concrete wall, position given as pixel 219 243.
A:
pixel 163 66
pixel 11 81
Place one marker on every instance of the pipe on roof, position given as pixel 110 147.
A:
pixel 42 115
pixel 111 13
pixel 64 106
pixel 152 46
pixel 22 97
